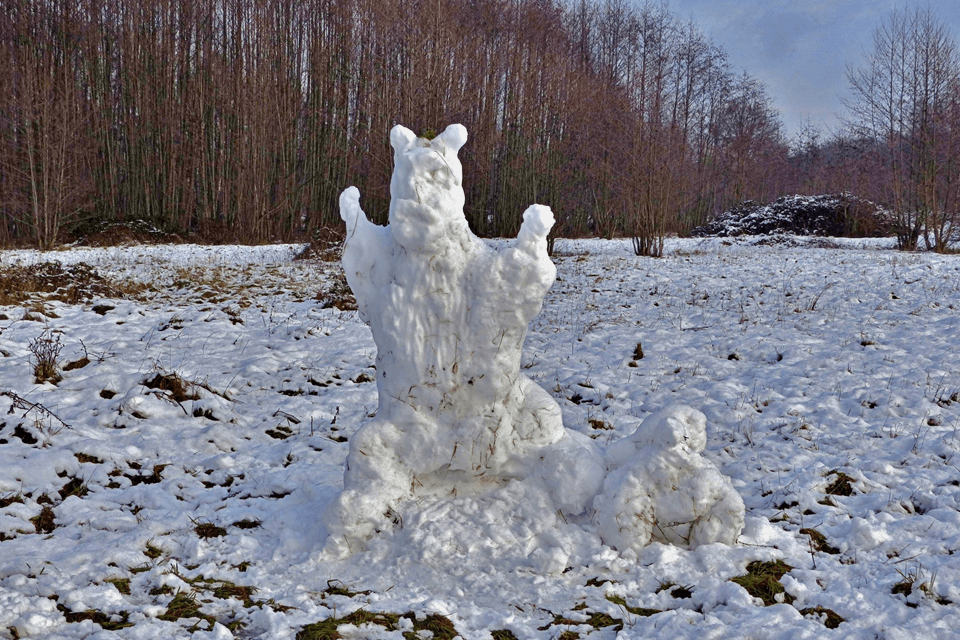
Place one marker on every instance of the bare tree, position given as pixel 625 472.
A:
pixel 43 120
pixel 902 101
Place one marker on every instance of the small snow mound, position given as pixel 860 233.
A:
pixel 661 489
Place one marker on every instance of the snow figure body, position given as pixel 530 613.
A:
pixel 660 488
pixel 449 315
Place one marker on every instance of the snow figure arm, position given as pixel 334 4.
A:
pixel 524 270
pixel 365 244
pixel 537 222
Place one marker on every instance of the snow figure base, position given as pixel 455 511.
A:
pixel 660 488
pixel 449 316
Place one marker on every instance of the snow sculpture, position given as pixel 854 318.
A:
pixel 660 488
pixel 456 417
pixel 449 315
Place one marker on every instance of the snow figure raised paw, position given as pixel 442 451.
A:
pixel 660 488
pixel 449 315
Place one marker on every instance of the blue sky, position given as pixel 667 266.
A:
pixel 800 49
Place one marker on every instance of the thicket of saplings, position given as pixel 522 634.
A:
pixel 242 122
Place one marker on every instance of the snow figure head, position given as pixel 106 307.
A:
pixel 428 171
pixel 449 316
pixel 660 487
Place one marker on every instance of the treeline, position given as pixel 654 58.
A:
pixel 901 143
pixel 244 119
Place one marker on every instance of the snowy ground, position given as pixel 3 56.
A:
pixel 127 513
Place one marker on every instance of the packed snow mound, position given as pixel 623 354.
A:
pixel 835 215
pixel 449 315
pixel 660 488
pixel 516 526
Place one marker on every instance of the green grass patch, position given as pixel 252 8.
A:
pixel 76 487
pixel 122 584
pixel 595 620
pixel 327 629
pixel 113 622
pixel 184 605
pixel 762 580
pixel 637 611
pixel 152 551
pixel 440 626
pixel 226 590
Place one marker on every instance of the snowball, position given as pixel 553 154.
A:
pixel 449 315
pixel 660 487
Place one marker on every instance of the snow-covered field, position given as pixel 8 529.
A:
pixel 830 379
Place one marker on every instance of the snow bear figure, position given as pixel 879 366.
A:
pixel 659 487
pixel 449 315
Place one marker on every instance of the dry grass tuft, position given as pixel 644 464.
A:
pixel 829 617
pixel 841 486
pixel 819 541
pixel 207 530
pixel 71 284
pixel 46 349
pixel 179 389
pixel 46 521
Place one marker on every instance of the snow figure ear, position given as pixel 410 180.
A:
pixel 401 138
pixel 454 137
pixel 672 426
